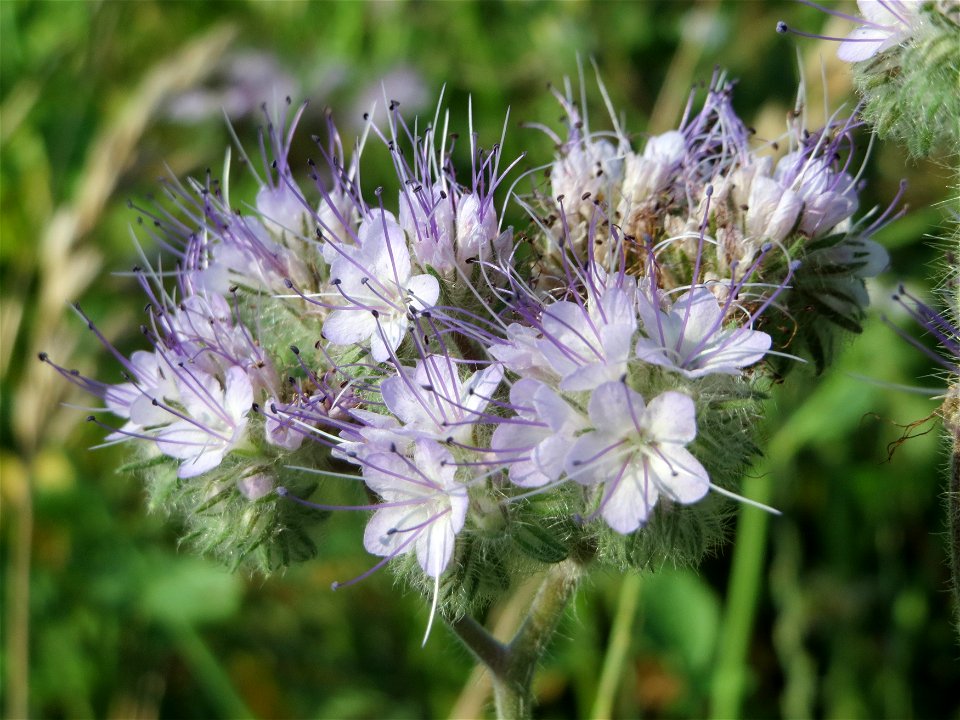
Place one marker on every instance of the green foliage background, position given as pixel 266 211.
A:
pixel 846 613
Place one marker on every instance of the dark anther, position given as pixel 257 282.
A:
pixel 288 283
pixel 91 418
pixel 782 27
pixel 375 313
pixel 43 356
pixel 294 349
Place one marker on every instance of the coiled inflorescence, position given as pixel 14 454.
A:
pixel 506 399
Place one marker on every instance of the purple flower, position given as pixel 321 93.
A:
pixel 424 506
pixel 432 401
pixel 587 345
pixel 690 336
pixel 637 453
pixel 379 291
pixel 213 421
pixel 535 441
pixel 829 195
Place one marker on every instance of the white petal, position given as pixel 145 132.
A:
pixel 593 459
pixel 627 505
pixel 862 44
pixel 654 353
pixel 238 396
pixel 424 290
pixel 671 417
pixel 679 474
pixel 349 326
pixel 549 455
pixel 481 386
pixel 199 464
pixel 556 412
pixel 378 536
pixel 403 401
pixel 387 336
pixel 615 409
pixel 435 546
pixel 699 314
pixel 737 349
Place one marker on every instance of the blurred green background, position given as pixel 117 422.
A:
pixel 838 608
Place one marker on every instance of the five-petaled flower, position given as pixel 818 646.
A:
pixel 637 453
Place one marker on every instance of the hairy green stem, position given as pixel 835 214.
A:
pixel 485 648
pixel 512 666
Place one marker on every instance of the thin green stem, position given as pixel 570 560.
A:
pixel 617 648
pixel 731 671
pixel 207 669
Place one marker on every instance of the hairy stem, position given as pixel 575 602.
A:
pixel 514 689
pixel 485 648
pixel 512 666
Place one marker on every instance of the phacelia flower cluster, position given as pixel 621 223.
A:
pixel 905 62
pixel 494 400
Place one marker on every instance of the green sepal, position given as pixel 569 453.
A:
pixel 537 542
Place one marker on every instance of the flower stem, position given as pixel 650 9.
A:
pixel 512 666
pixel 514 689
